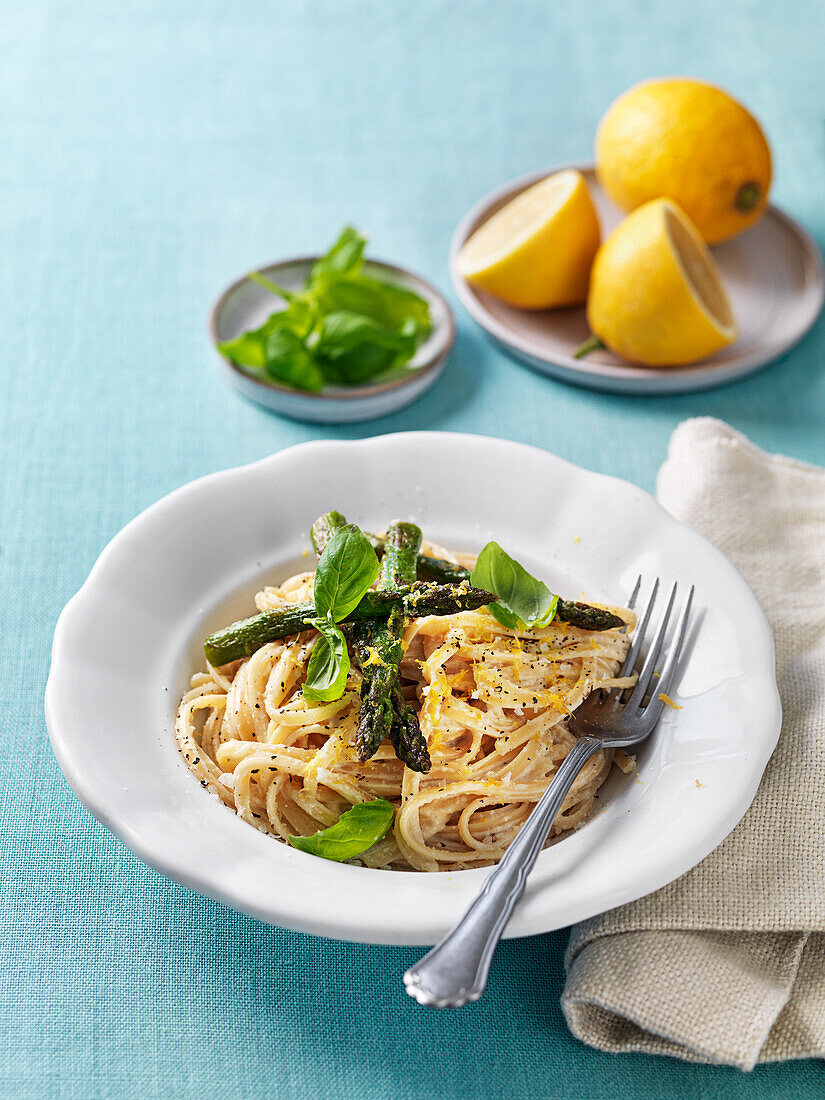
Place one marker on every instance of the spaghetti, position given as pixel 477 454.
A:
pixel 492 702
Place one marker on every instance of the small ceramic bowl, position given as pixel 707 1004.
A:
pixel 246 305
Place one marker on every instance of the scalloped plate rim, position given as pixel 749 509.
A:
pixel 359 924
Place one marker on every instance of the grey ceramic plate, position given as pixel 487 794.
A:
pixel 246 305
pixel 773 274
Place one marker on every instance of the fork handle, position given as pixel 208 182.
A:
pixel 455 971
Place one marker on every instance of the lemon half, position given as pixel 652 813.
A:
pixel 536 252
pixel 656 296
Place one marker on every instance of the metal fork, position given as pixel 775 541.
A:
pixel 455 971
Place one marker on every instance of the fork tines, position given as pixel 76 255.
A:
pixel 667 674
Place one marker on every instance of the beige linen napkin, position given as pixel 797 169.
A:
pixel 727 964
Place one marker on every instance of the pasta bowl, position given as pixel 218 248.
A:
pixel 127 643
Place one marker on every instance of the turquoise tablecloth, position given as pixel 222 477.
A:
pixel 152 151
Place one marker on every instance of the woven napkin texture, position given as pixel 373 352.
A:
pixel 727 963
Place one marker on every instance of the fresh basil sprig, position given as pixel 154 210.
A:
pixel 342 327
pixel 523 601
pixel 346 569
pixel 352 834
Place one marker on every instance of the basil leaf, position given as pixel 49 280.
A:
pixel 390 305
pixel 249 349
pixel 286 359
pixel 398 306
pixel 352 834
pixel 355 367
pixel 355 348
pixel 329 664
pixel 343 330
pixel 346 569
pixel 524 601
pixel 346 257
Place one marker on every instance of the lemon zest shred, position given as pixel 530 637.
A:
pixel 666 699
pixel 374 657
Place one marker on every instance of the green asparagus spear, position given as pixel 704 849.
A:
pixel 405 733
pixel 377 648
pixel 399 566
pixel 429 569
pixel 324 528
pixel 568 611
pixel 383 643
pixel 243 638
pixel 587 617
pixel 380 691
pixel 423 598
pixel 439 569
pixel 400 561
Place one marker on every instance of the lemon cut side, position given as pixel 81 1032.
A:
pixel 701 273
pixel 656 295
pixel 536 252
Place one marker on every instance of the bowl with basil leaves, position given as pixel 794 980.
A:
pixel 333 338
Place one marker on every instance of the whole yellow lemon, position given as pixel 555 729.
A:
pixel 691 142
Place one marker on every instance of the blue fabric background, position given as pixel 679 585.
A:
pixel 151 152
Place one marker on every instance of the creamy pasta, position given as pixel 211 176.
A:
pixel 493 704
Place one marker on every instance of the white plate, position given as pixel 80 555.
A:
pixel 127 643
pixel 246 305
pixel 773 274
